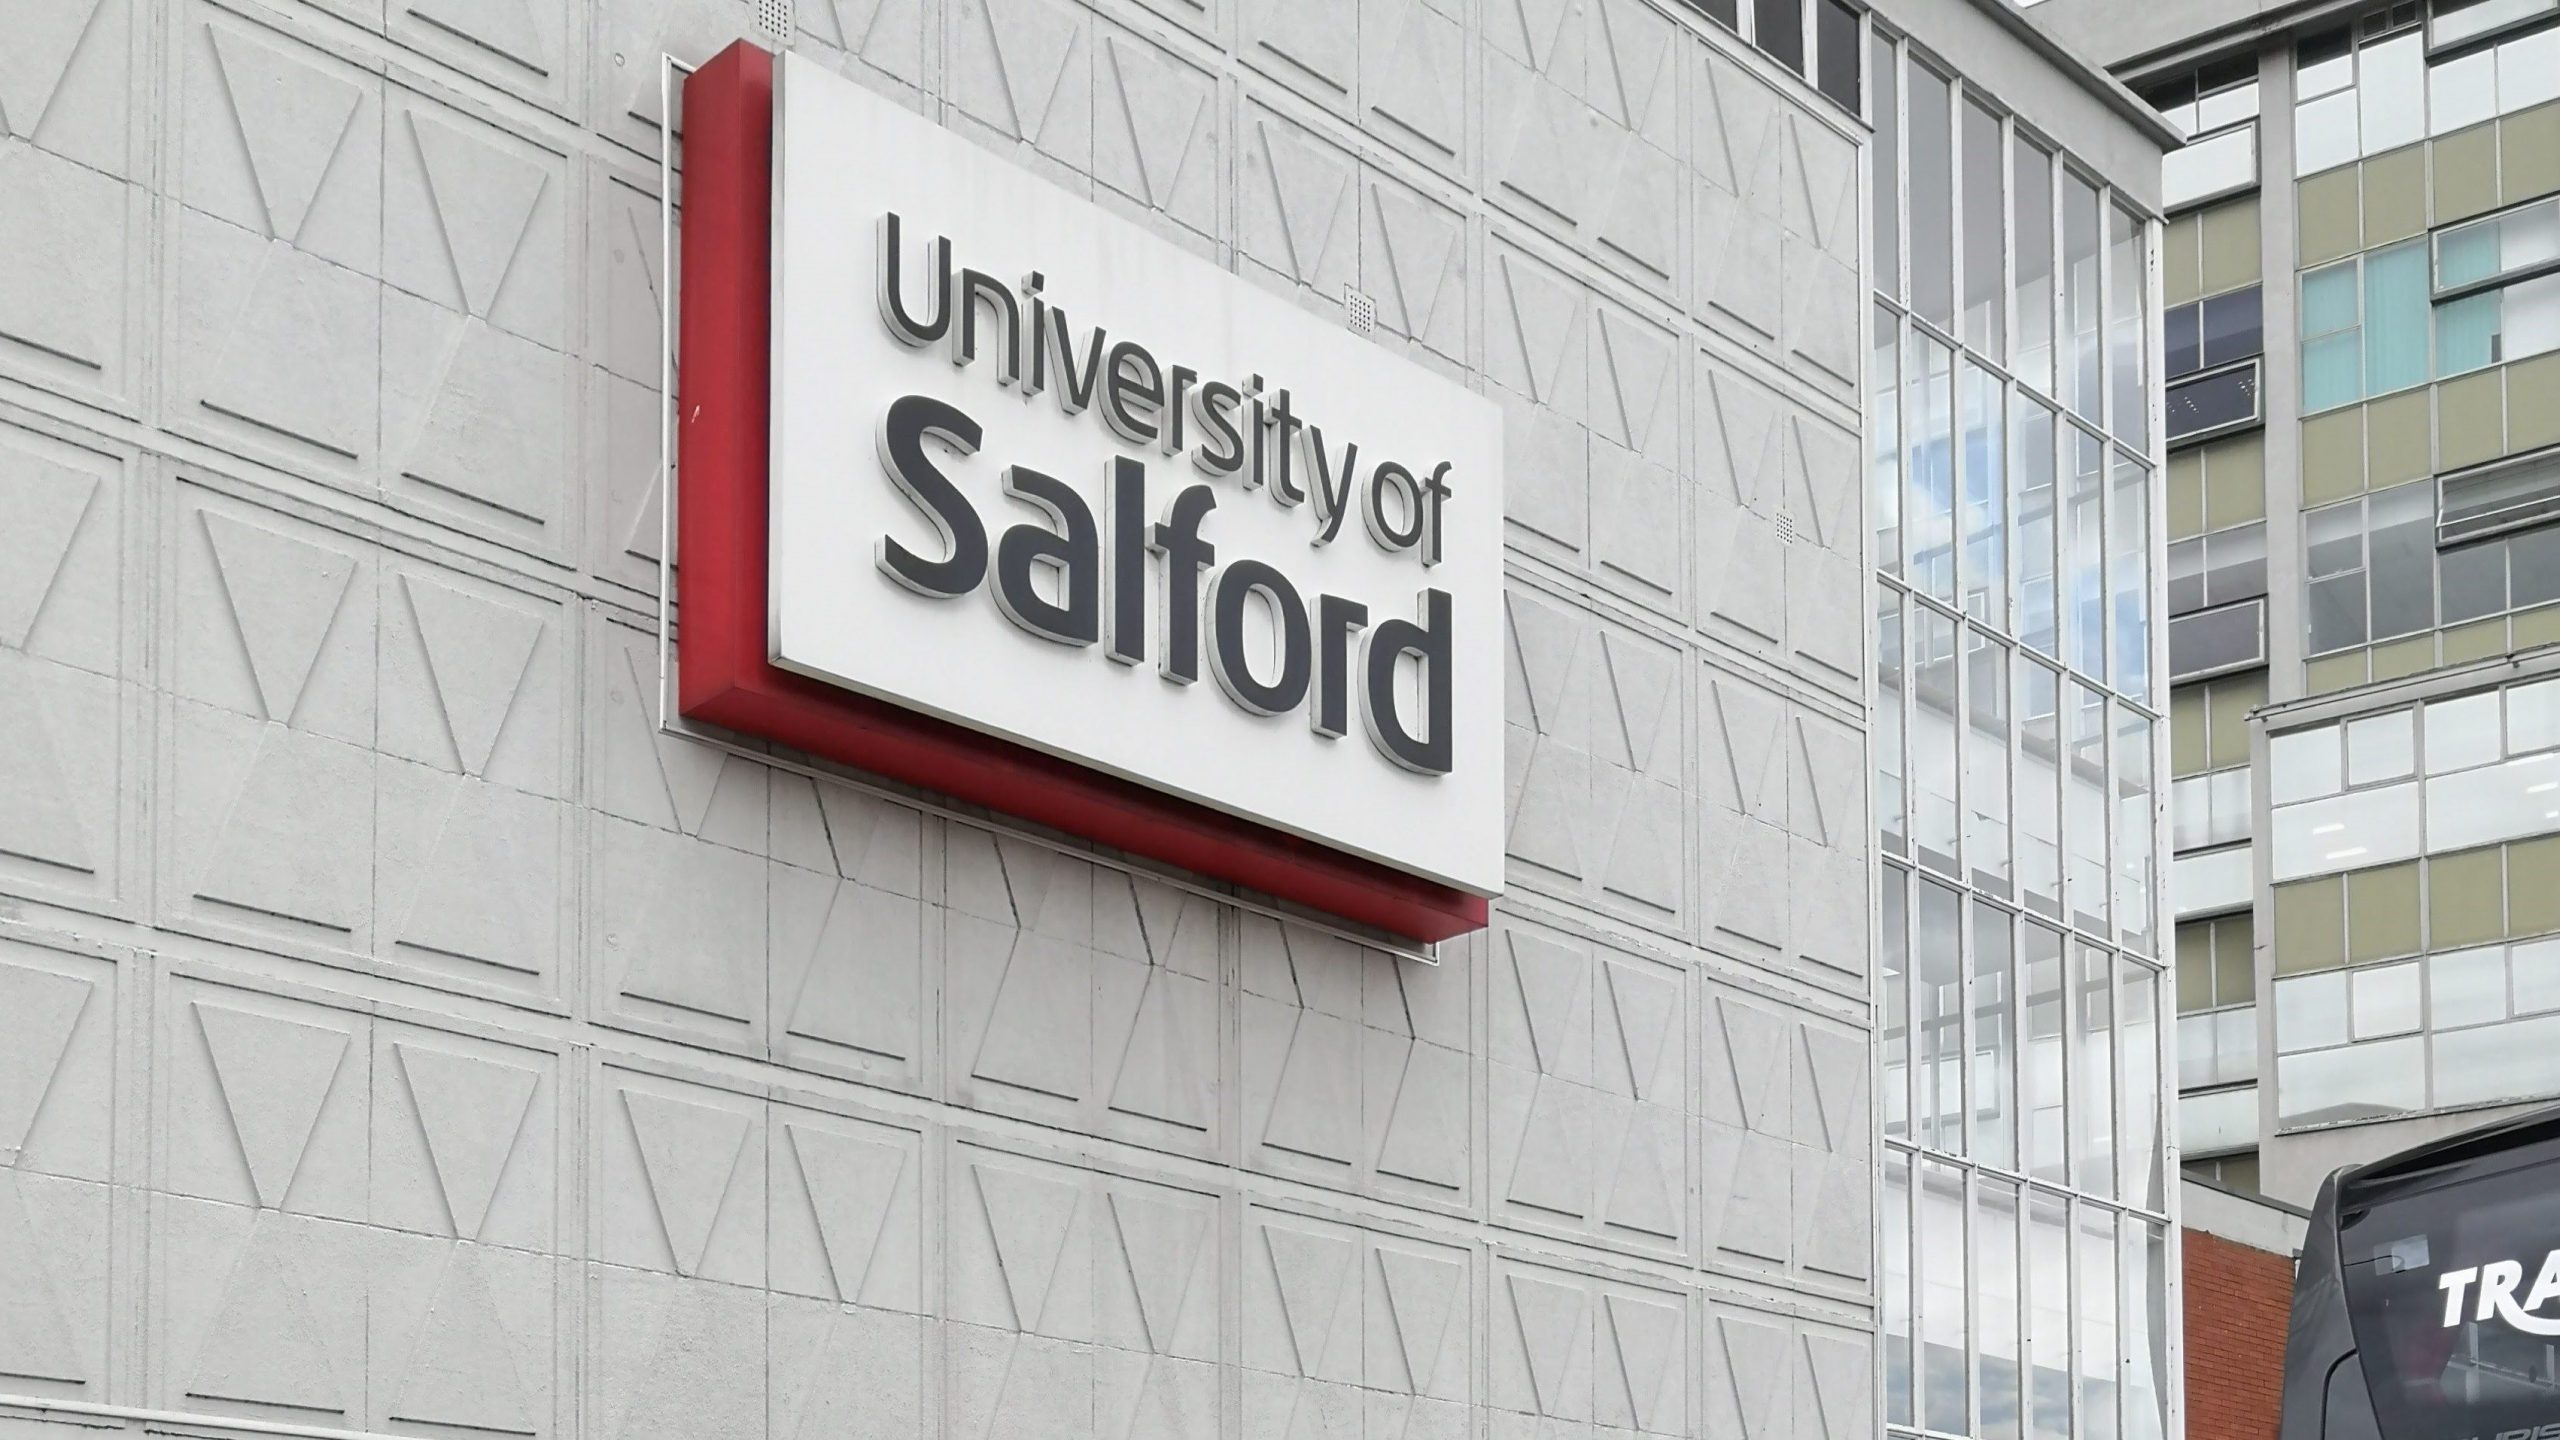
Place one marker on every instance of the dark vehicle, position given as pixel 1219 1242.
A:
pixel 2427 1306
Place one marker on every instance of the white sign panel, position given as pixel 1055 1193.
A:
pixel 1039 472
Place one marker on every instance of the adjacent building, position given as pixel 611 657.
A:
pixel 2363 573
pixel 412 1024
pixel 2241 1250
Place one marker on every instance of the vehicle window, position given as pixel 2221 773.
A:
pixel 2454 1295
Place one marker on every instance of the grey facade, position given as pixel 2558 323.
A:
pixel 401 1032
pixel 2361 564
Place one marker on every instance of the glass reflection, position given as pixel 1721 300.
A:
pixel 2047 1057
pixel 2096 1274
pixel 1937 1016
pixel 2093 999
pixel 1986 566
pixel 1945 1287
pixel 2048 1262
pixel 1986 764
pixel 1995 1285
pixel 1934 760
pixel 2033 505
pixel 1995 1038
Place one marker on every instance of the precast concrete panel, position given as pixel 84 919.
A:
pixel 402 1032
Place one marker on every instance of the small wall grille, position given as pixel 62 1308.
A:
pixel 1358 311
pixel 773 17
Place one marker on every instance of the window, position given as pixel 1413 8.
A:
pixel 2218 108
pixel 2210 810
pixel 2217 969
pixel 2371 568
pixel 1777 27
pixel 1726 13
pixel 1836 52
pixel 2489 58
pixel 2217 1004
pixel 2458 21
pixel 1884 420
pixel 2349 795
pixel 2211 347
pixel 2466 547
pixel 2209 406
pixel 1986 565
pixel 2211 882
pixel 2345 832
pixel 2395 319
pixel 2218 569
pixel 2497 288
pixel 1986 765
pixel 2209 801
pixel 2359 92
pixel 2513 494
pixel 2210 642
pixel 2386 82
pixel 2332 338
pixel 2032 506
pixel 2081 298
pixel 2031 215
pixel 2136 846
pixel 1986 281
pixel 2083 555
pixel 2128 357
pixel 2365 324
pixel 1936 707
pixel 1885 203
pixel 1892 792
pixel 2213 332
pixel 2129 569
pixel 1932 218
pixel 1928 411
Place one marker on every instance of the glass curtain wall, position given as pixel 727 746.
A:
pixel 2013 472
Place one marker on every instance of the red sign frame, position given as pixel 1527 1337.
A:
pixel 724 676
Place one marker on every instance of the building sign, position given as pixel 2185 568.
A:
pixel 1073 501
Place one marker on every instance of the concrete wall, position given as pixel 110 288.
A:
pixel 398 1033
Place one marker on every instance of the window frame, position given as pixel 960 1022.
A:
pixel 2256 418
pixel 2212 672
pixel 2489 38
pixel 2441 294
pixel 2501 524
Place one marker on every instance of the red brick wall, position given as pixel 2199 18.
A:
pixel 2239 1301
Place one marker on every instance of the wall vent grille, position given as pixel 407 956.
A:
pixel 1358 311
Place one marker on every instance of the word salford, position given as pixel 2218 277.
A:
pixel 1330 658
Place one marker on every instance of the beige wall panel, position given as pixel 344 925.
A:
pixel 2395 196
pixel 2533 403
pixel 2529 153
pixel 2466 898
pixel 2471 420
pixel 2311 930
pixel 2332 673
pixel 2328 217
pixel 2398 444
pixel 2235 481
pixel 2466 173
pixel 2332 456
pixel 2382 913
pixel 2230 244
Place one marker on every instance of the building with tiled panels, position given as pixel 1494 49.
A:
pixel 2364 398
pixel 406 1028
